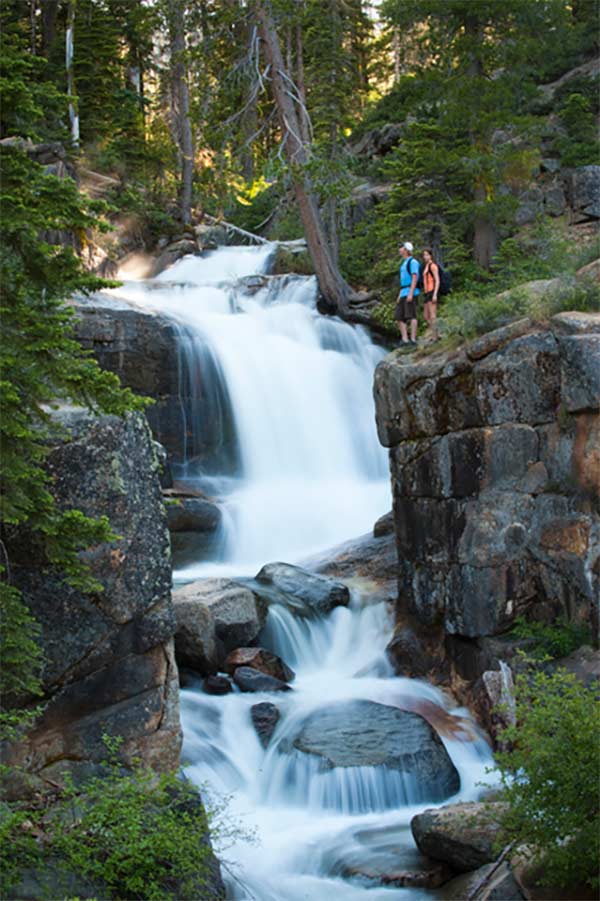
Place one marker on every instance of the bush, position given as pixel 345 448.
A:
pixel 467 315
pixel 133 836
pixel 550 776
pixel 551 639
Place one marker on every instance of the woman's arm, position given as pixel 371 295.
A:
pixel 436 280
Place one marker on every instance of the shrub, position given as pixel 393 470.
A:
pixel 551 639
pixel 550 776
pixel 134 836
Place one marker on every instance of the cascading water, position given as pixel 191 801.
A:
pixel 280 427
pixel 300 467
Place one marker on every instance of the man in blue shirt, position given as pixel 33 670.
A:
pixel 406 306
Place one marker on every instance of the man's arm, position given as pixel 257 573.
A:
pixel 413 285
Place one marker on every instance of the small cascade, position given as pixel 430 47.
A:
pixel 315 823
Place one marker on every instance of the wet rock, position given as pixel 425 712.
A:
pixel 303 591
pixel 259 659
pixel 384 525
pixel 108 657
pixel 461 835
pixel 364 733
pixel 189 548
pixel 213 617
pixel 192 514
pixel 369 563
pixel 174 252
pixel 407 654
pixel 495 696
pixel 484 884
pixel 217 685
pixel 147 352
pixel 248 679
pixel 265 717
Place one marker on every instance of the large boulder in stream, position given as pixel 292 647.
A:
pixel 462 835
pixel 305 593
pixel 214 616
pixel 361 733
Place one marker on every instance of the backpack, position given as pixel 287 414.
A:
pixel 419 284
pixel 445 282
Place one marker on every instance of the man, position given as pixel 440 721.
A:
pixel 406 306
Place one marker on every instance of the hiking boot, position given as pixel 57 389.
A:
pixel 412 343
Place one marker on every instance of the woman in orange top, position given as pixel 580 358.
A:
pixel 431 286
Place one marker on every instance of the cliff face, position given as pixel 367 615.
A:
pixel 495 466
pixel 109 664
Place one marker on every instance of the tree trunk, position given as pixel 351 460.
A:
pixel 300 84
pixel 49 13
pixel 69 48
pixel 181 106
pixel 333 287
pixel 396 53
pixel 485 238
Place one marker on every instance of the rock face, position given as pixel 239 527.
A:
pixel 214 616
pixel 148 353
pixel 461 835
pixel 364 733
pixel 109 663
pixel 495 476
pixel 304 592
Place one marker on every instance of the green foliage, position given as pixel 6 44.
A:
pixel 550 640
pixel 580 147
pixel 137 835
pixel 31 106
pixel 550 776
pixel 467 315
pixel 19 652
pixel 42 363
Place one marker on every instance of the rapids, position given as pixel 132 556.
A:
pixel 295 463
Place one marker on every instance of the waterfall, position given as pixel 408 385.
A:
pixel 280 426
pixel 278 423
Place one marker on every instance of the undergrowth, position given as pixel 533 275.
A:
pixel 550 640
pixel 134 835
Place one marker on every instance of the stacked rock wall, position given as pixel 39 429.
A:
pixel 495 465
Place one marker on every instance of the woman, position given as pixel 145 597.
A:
pixel 431 287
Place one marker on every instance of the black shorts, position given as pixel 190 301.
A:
pixel 405 310
pixel 428 298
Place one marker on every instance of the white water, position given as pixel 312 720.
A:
pixel 306 473
pixel 313 826
pixel 311 472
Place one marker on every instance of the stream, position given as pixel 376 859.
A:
pixel 296 465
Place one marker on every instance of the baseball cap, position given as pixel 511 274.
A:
pixel 408 246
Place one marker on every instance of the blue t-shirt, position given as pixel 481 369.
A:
pixel 406 275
